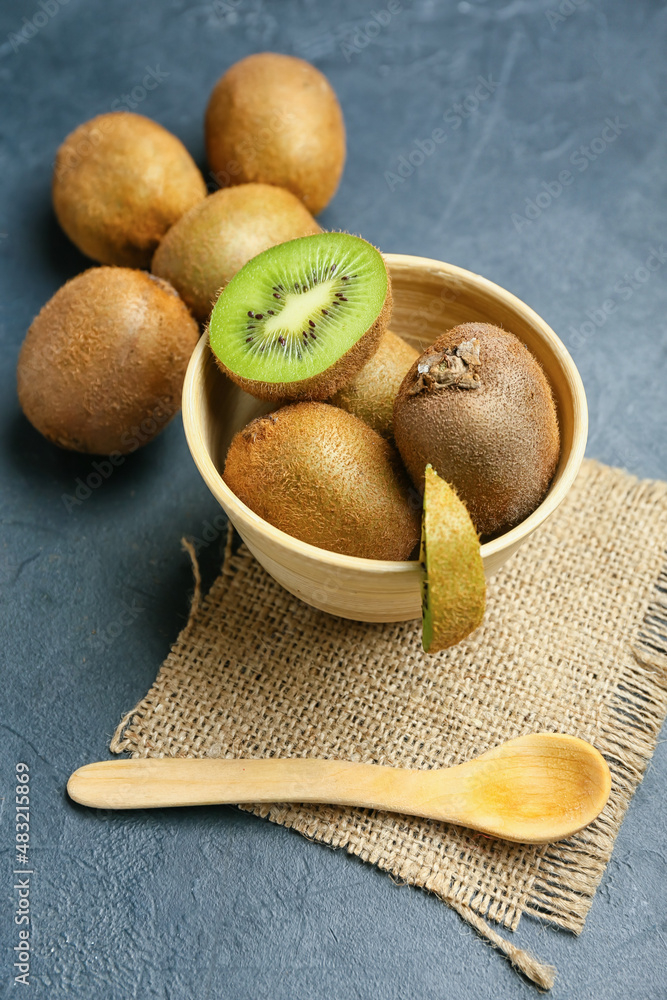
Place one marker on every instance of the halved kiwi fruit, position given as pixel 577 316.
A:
pixel 299 320
pixel 453 582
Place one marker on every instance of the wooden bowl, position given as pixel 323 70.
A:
pixel 429 298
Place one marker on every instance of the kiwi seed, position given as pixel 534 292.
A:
pixel 211 242
pixel 477 406
pixel 102 366
pixel 299 320
pixel 277 120
pixel 371 393
pixel 323 476
pixel 120 181
pixel 453 582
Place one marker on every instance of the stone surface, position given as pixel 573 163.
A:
pixel 212 902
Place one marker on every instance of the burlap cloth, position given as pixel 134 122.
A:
pixel 574 640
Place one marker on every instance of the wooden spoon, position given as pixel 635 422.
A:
pixel 533 789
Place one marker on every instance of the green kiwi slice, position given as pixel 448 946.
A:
pixel 300 319
pixel 453 582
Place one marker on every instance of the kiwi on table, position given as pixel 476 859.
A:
pixel 477 406
pixel 276 119
pixel 453 582
pixel 323 476
pixel 102 366
pixel 120 181
pixel 299 320
pixel 217 236
pixel 371 393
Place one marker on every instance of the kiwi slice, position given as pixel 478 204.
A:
pixel 300 319
pixel 453 582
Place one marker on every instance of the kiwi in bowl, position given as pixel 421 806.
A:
pixel 429 298
pixel 302 318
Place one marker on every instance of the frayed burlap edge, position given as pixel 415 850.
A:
pixel 637 710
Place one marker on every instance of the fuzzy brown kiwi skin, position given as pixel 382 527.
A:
pixel 102 366
pixel 120 181
pixel 277 118
pixel 323 476
pixel 324 385
pixel 217 236
pixel 370 394
pixel 498 444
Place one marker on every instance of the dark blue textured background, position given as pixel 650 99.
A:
pixel 214 903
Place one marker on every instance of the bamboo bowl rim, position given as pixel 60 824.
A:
pixel 556 494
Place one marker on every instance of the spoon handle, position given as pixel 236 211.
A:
pixel 146 783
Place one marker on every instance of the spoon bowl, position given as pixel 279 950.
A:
pixel 533 789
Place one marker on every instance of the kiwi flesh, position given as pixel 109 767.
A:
pixel 275 119
pixel 102 366
pixel 211 242
pixel 299 320
pixel 120 181
pixel 477 406
pixel 453 582
pixel 323 476
pixel 371 394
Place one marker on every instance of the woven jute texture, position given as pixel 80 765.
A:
pixel 574 641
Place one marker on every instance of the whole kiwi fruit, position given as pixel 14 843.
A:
pixel 301 319
pixel 371 393
pixel 102 366
pixel 276 119
pixel 119 182
pixel 211 242
pixel 323 476
pixel 477 406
